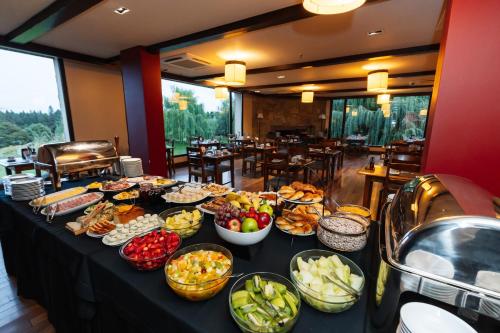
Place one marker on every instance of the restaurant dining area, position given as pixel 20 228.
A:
pixel 249 166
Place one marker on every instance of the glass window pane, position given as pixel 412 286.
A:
pixel 31 113
pixel 237 109
pixel 190 111
pixel 336 118
pixel 366 125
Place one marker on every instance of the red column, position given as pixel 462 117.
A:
pixel 144 107
pixel 464 125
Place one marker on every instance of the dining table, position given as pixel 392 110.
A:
pixel 17 165
pixel 377 175
pixel 216 159
pixel 87 287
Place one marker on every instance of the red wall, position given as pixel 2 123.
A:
pixel 464 125
pixel 144 107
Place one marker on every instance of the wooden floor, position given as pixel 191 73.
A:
pixel 26 316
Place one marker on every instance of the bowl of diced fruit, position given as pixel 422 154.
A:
pixel 184 220
pixel 151 250
pixel 198 272
pixel 264 302
pixel 241 227
pixel 326 280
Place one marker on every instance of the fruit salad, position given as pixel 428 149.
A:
pixel 185 223
pixel 198 275
pixel 264 306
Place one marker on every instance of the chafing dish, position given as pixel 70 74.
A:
pixel 438 239
pixel 75 157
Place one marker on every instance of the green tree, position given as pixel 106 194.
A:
pixel 11 134
pixel 40 133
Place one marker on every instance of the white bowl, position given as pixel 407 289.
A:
pixel 423 318
pixel 243 238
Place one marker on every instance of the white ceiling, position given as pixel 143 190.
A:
pixel 405 23
pixel 13 13
pixel 100 32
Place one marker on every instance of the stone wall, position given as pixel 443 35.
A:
pixel 284 113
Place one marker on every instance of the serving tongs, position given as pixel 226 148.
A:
pixel 50 212
pixel 341 284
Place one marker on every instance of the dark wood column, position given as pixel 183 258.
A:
pixel 144 107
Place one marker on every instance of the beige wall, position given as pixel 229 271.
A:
pixel 96 101
pixel 281 113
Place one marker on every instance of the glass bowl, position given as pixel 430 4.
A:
pixel 202 290
pixel 246 326
pixel 152 262
pixel 334 304
pixel 185 232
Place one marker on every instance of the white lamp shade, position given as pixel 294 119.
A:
pixel 221 92
pixel 260 115
pixel 175 97
pixel 307 96
pixel 235 73
pixel 183 105
pixel 378 81
pixel 347 109
pixel 327 7
pixel 383 99
pixel 354 113
pixel 423 112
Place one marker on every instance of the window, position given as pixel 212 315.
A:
pixel 190 110
pixel 336 118
pixel 365 123
pixel 31 109
pixel 237 113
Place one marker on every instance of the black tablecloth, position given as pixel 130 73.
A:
pixel 86 286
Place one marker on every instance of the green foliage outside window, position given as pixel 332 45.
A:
pixel 365 119
pixel 180 125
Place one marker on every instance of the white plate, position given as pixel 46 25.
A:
pixel 83 190
pixel 105 240
pixel 300 202
pixel 120 190
pixel 300 235
pixel 206 211
pixel 74 209
pixel 91 234
pixel 423 318
pixel 133 198
pixel 185 202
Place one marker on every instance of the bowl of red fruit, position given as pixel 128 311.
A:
pixel 241 227
pixel 151 250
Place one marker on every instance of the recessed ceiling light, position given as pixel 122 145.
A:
pixel 281 76
pixel 121 10
pixel 307 67
pixel 375 32
pixel 257 91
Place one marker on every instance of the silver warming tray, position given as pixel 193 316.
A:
pixel 439 238
pixel 74 157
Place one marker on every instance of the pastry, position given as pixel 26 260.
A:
pixel 297 195
pixel 286 189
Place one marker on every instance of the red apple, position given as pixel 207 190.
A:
pixel 234 225
pixel 263 220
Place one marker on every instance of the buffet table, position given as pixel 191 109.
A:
pixel 86 286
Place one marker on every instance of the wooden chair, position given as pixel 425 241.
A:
pixel 197 166
pixel 251 157
pixel 275 164
pixel 317 153
pixel 393 181
pixel 170 146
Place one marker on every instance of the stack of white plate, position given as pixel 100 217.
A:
pixel 132 167
pixel 27 189
pixel 423 318
pixel 117 166
pixel 8 179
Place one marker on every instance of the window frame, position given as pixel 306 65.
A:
pixel 345 98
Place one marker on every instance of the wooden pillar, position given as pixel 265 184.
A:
pixel 463 131
pixel 144 107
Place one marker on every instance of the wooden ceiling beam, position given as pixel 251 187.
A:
pixel 407 51
pixel 262 21
pixel 339 80
pixel 49 18
pixel 341 91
